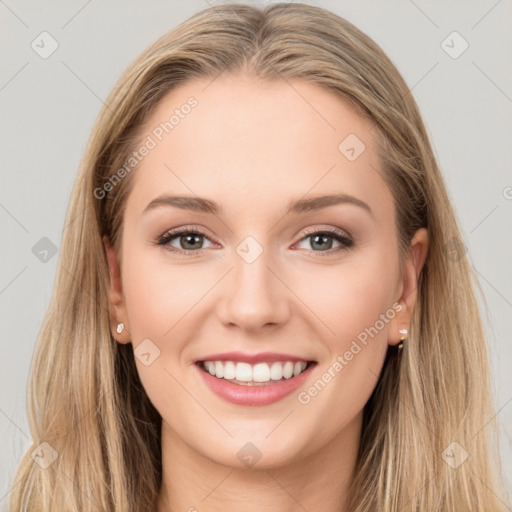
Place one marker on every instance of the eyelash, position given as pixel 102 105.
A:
pixel 338 235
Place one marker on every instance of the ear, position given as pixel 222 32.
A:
pixel 416 258
pixel 117 307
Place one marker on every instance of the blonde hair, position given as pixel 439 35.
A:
pixel 85 398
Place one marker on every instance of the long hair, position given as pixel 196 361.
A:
pixel 432 405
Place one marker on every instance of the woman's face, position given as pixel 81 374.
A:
pixel 254 278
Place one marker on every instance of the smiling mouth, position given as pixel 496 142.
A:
pixel 260 374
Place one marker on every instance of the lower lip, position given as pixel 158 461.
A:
pixel 240 394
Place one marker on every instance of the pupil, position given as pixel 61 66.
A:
pixel 190 239
pixel 322 247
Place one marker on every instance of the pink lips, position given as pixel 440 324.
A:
pixel 257 395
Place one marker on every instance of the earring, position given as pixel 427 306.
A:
pixel 120 328
pixel 403 333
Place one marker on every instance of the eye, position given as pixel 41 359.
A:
pixel 323 240
pixel 184 240
pixel 188 241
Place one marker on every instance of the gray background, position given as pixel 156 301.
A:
pixel 49 107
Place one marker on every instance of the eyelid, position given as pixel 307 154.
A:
pixel 332 230
pixel 196 229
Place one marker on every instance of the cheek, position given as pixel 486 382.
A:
pixel 355 303
pixel 161 300
pixel 350 297
pixel 159 294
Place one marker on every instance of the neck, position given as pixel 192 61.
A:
pixel 319 481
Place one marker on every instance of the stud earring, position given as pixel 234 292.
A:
pixel 120 328
pixel 403 333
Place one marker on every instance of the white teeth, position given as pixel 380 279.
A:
pixel 260 372
pixel 276 371
pixel 229 369
pixel 210 366
pixel 288 370
pixel 243 372
pixel 219 369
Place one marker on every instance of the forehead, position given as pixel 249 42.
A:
pixel 236 140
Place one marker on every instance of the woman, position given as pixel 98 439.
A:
pixel 261 303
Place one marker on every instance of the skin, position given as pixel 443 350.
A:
pixel 252 147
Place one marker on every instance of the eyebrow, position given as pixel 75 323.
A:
pixel 200 204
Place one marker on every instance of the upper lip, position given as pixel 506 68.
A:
pixel 261 357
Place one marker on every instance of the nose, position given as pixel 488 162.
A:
pixel 253 296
